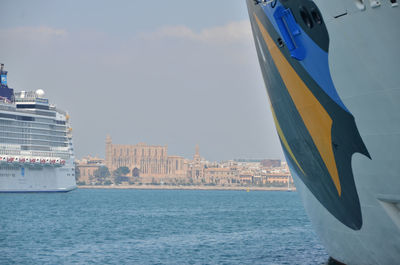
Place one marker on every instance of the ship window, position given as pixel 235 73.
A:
pixel 32 106
pixel 306 17
pixel 316 16
pixel 280 42
pixel 16 117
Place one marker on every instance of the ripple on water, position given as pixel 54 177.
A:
pixel 157 226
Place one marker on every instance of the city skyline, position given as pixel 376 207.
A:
pixel 138 164
pixel 143 74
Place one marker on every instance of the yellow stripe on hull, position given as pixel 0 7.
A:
pixel 313 114
pixel 284 141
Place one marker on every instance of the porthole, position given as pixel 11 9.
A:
pixel 305 16
pixel 316 16
pixel 280 43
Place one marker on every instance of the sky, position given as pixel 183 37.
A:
pixel 176 73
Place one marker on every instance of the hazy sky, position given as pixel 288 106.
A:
pixel 170 72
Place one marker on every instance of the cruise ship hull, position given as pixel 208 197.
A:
pixel 36 179
pixel 331 70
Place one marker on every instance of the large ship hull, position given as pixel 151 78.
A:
pixel 331 70
pixel 37 179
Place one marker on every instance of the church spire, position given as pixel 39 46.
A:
pixel 196 157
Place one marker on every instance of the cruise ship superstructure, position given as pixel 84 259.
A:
pixel 332 73
pixel 36 150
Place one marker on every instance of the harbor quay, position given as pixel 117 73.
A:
pixel 150 166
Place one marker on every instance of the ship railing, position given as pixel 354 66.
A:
pixel 37 112
pixel 6 107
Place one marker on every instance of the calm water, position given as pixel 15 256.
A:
pixel 157 227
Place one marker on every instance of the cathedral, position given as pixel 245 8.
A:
pixel 145 161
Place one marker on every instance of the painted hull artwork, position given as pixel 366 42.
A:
pixel 318 133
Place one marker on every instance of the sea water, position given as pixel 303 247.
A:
pixel 109 226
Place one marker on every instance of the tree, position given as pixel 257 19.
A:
pixel 121 171
pixel 77 173
pixel 135 172
pixel 102 173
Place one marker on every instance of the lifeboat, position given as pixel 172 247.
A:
pixel 33 160
pixel 10 159
pixel 52 161
pixel 42 160
pixel 62 162
pixel 22 160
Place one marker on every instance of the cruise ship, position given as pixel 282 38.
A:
pixel 36 150
pixel 332 74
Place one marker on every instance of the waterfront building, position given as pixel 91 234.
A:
pixel 87 167
pixel 278 179
pixel 246 178
pixel 221 176
pixel 142 163
pixel 196 168
pixel 149 162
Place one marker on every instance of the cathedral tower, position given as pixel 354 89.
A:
pixel 108 152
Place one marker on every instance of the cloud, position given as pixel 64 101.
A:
pixel 233 32
pixel 39 34
pixel 173 85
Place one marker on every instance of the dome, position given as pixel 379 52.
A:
pixel 39 93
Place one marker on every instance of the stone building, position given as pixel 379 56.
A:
pixel 144 161
pixel 176 167
pixel 196 169
pixel 87 167
pixel 280 179
pixel 221 176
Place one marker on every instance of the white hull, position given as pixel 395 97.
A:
pixel 37 178
pixel 364 65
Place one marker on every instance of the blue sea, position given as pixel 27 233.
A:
pixel 157 227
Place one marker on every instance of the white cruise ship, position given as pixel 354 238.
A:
pixel 36 151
